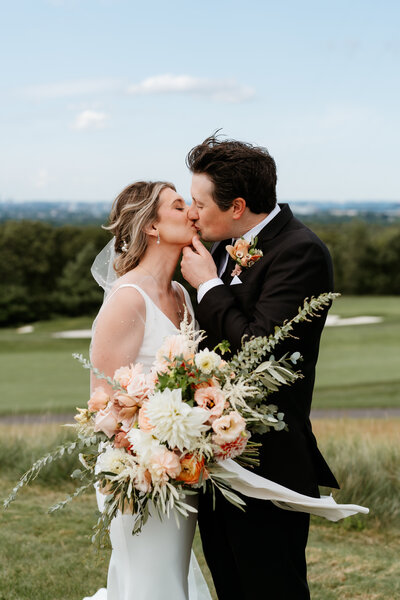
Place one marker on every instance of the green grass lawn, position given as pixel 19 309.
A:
pixel 50 557
pixel 358 365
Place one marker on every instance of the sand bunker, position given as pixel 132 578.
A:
pixel 336 321
pixel 73 334
pixel 331 321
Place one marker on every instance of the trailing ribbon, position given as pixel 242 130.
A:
pixel 253 485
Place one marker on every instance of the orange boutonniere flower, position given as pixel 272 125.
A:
pixel 244 253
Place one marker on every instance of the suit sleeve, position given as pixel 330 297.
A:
pixel 298 271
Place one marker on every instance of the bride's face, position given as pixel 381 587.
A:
pixel 173 223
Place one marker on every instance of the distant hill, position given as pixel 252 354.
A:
pixel 84 213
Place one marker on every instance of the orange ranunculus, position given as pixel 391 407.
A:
pixel 191 469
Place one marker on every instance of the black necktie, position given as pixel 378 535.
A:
pixel 227 274
pixel 220 253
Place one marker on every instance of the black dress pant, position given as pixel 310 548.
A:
pixel 254 555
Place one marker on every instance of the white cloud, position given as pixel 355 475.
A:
pixel 225 90
pixel 71 88
pixel 90 119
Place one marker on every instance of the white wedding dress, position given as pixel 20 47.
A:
pixel 156 564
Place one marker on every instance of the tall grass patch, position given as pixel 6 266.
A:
pixel 365 456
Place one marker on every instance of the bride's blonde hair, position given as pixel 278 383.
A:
pixel 133 210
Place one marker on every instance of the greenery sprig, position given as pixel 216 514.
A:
pixel 257 347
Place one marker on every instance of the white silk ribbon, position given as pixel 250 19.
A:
pixel 253 485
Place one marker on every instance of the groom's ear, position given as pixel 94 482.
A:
pixel 238 208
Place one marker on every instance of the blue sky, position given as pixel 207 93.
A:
pixel 95 94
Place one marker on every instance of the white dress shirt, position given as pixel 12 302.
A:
pixel 208 285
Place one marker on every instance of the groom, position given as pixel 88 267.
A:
pixel 259 553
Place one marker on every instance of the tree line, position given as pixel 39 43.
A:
pixel 45 270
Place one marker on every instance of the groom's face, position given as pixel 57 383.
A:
pixel 211 222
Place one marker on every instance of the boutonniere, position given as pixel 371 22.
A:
pixel 244 253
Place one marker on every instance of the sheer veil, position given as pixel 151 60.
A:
pixel 103 267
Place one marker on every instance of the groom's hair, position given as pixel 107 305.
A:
pixel 237 170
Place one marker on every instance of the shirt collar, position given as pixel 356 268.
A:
pixel 256 230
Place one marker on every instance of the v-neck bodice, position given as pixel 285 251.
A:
pixel 157 325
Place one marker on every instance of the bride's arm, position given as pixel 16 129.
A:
pixel 118 333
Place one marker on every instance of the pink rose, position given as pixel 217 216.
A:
pixel 212 399
pixel 228 427
pixel 98 400
pixel 106 421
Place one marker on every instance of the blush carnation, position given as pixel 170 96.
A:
pixel 231 449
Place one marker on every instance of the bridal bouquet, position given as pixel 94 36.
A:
pixel 160 436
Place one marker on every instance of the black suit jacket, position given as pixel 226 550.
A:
pixel 295 265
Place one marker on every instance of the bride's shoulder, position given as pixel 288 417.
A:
pixel 125 297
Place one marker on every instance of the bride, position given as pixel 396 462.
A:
pixel 143 305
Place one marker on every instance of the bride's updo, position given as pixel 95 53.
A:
pixel 133 210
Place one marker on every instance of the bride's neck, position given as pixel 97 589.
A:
pixel 160 263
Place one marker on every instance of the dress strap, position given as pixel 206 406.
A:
pixel 125 285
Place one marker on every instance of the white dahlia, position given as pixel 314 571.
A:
pixel 144 444
pixel 174 421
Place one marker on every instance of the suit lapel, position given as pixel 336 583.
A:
pixel 272 229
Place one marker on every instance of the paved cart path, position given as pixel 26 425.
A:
pixel 355 413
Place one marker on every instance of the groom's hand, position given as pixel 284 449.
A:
pixel 197 264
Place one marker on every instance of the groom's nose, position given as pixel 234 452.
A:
pixel 192 213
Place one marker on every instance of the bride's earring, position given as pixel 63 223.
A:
pixel 158 237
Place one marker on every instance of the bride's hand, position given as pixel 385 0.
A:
pixel 197 264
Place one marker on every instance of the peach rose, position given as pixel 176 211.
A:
pixel 228 427
pixel 191 469
pixel 106 421
pixel 212 399
pixel 143 419
pixel 125 407
pixel 98 400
